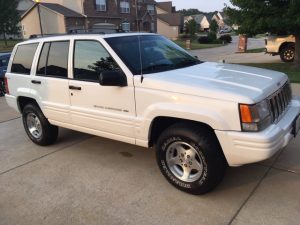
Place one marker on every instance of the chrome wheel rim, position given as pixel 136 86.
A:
pixel 184 161
pixel 289 54
pixel 34 125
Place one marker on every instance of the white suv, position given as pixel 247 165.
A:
pixel 145 90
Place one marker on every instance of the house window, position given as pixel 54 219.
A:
pixel 152 27
pixel 151 9
pixel 125 6
pixel 101 5
pixel 126 27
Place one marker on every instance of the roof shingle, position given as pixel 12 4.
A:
pixel 173 19
pixel 61 10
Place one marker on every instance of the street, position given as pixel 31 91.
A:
pixel 228 53
pixel 83 179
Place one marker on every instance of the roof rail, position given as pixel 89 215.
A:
pixel 95 31
pixel 77 31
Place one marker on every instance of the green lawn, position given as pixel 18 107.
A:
pixel 287 68
pixel 195 45
pixel 9 47
pixel 260 36
pixel 255 50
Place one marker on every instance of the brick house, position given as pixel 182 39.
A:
pixel 169 22
pixel 60 16
pixel 129 15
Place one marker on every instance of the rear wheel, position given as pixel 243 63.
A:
pixel 191 158
pixel 37 127
pixel 287 54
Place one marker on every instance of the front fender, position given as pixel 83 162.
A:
pixel 217 117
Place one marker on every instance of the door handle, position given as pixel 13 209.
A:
pixel 71 87
pixel 36 82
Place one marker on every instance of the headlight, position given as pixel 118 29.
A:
pixel 255 117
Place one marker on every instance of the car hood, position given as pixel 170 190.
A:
pixel 229 82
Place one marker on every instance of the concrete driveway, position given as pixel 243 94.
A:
pixel 228 53
pixel 84 179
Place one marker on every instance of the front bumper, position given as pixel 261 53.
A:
pixel 244 147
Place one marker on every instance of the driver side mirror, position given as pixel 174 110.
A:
pixel 113 78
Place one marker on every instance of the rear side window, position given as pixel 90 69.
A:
pixel 90 59
pixel 23 59
pixel 53 60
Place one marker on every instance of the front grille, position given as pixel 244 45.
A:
pixel 279 101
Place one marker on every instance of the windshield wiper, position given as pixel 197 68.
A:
pixel 158 68
pixel 188 62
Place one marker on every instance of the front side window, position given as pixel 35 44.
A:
pixel 90 59
pixel 101 5
pixel 157 54
pixel 125 6
pixel 23 59
pixel 53 60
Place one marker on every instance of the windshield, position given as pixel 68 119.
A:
pixel 154 54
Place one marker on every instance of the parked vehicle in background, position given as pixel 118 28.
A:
pixel 225 30
pixel 281 45
pixel 145 90
pixel 4 59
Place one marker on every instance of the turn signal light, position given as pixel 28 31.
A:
pixel 246 116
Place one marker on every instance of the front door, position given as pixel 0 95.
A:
pixel 106 111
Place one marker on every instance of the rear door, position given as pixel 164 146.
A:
pixel 106 111
pixel 50 84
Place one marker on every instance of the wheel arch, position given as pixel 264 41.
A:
pixel 286 44
pixel 160 123
pixel 23 101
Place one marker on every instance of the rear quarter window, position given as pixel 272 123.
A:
pixel 23 58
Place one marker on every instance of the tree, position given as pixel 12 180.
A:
pixel 189 12
pixel 274 16
pixel 214 26
pixel 191 27
pixel 9 18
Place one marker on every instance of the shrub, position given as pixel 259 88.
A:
pixel 226 38
pixel 203 40
pixel 210 38
pixel 184 36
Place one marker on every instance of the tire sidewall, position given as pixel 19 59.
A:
pixel 31 109
pixel 161 159
pixel 282 55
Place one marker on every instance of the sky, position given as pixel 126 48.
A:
pixel 202 5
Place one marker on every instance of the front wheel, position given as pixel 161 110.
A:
pixel 190 158
pixel 287 54
pixel 37 127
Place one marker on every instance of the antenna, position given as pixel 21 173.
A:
pixel 141 62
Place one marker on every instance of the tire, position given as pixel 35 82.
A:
pixel 287 54
pixel 191 158
pixel 37 127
